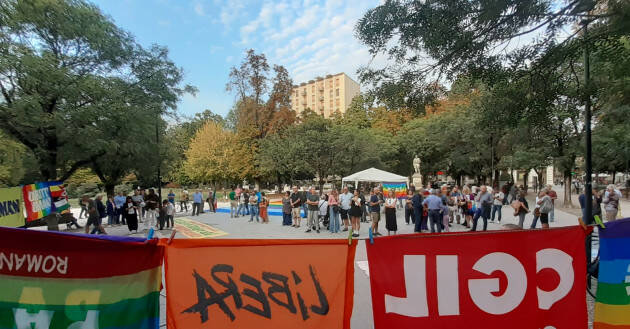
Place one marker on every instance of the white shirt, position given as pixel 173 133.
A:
pixel 390 202
pixel 501 196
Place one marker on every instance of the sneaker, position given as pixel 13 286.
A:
pixel 345 230
pixel 308 231
pixel 356 235
pixel 317 231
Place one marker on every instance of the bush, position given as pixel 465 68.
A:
pixel 126 189
pixel 90 189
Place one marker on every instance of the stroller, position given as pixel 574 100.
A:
pixel 324 220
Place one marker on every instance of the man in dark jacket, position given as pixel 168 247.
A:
pixel 416 203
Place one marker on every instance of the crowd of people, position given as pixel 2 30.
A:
pixel 430 209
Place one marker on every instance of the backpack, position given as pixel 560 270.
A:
pixel 546 207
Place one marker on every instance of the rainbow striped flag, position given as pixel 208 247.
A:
pixel 400 189
pixel 37 201
pixel 612 307
pixel 62 280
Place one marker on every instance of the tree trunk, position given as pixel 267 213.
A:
pixel 614 173
pixel 109 187
pixel 567 190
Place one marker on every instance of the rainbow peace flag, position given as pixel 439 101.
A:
pixel 62 280
pixel 612 307
pixel 400 189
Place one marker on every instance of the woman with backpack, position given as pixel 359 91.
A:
pixel 546 206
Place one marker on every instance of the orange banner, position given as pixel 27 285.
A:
pixel 259 283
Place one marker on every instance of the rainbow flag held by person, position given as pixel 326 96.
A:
pixel 612 306
pixel 63 280
pixel 59 197
pixel 399 188
pixel 37 201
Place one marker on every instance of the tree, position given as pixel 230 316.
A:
pixel 66 69
pixel 216 155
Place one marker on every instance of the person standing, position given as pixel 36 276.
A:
pixel 522 210
pixel 197 203
pixel 333 205
pixel 94 218
pixel 546 206
pixel 84 210
pixel 170 215
pixel 553 195
pixel 313 211
pixel 253 208
pixel 171 197
pixel 152 203
pixel 286 209
pixel 130 212
pixel 390 213
pixel 466 204
pixel 375 210
pixel 416 203
pixel 323 210
pixel 303 197
pixel 296 204
pixel 233 204
pixel 138 201
pixel 264 203
pixel 434 205
pixel 210 200
pixel 183 201
pixel 119 201
pixel 243 200
pixel 485 203
pixel 497 204
pixel 356 210
pixel 513 192
pixel 102 210
pixel 536 210
pixel 344 202
pixel 409 217
pixel 111 210
pixel 365 214
pixel 611 203
pixel 162 214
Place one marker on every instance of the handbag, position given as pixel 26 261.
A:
pixel 335 208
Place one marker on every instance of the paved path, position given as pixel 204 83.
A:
pixel 240 228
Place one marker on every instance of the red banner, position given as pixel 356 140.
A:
pixel 508 279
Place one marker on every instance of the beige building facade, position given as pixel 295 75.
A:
pixel 325 95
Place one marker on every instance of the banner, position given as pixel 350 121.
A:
pixel 612 307
pixel 62 280
pixel 37 201
pixel 399 188
pixel 11 212
pixel 59 197
pixel 280 284
pixel 492 280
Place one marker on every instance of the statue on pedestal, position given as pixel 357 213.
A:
pixel 416 164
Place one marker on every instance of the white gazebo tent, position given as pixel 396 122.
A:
pixel 374 175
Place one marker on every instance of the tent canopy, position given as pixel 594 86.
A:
pixel 374 175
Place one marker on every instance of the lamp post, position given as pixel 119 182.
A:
pixel 588 185
pixel 159 158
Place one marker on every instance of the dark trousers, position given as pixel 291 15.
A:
pixel 196 209
pixel 417 214
pixel 495 209
pixel 286 219
pixel 484 213
pixel 409 215
pixel 435 217
pixel 183 205
pixel 162 220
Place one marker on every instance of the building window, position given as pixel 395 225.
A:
pixel 313 88
pixel 337 92
pixel 336 82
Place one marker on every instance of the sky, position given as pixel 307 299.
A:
pixel 207 37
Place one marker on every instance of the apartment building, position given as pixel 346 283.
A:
pixel 325 95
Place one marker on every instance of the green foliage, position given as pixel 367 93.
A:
pixel 74 83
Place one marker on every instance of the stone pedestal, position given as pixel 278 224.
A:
pixel 416 179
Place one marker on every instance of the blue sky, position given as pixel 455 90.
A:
pixel 207 37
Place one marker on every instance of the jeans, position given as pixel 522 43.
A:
pixel 286 218
pixel 151 218
pixel 534 222
pixel 435 218
pixel 417 214
pixel 495 209
pixel 232 208
pixel 334 221
pixel 120 218
pixel 313 220
pixel 521 219
pixel 196 208
pixel 111 219
pixel 253 211
pixel 482 212
pixel 305 208
pixel 241 209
